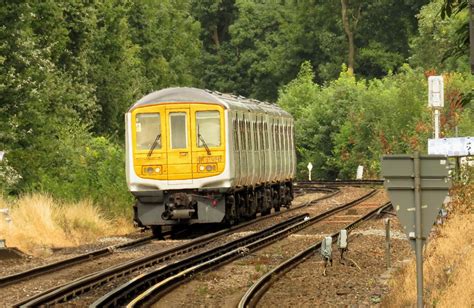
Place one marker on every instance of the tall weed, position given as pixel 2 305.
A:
pixel 448 260
pixel 39 223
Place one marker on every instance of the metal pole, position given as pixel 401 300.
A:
pixel 387 242
pixel 436 123
pixel 418 234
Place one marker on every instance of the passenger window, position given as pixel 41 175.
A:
pixel 255 135
pixel 282 138
pixel 236 138
pixel 178 130
pixel 208 128
pixel 277 137
pixel 148 129
pixel 242 134
pixel 265 137
pixel 249 143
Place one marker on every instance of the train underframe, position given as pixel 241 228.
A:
pixel 186 207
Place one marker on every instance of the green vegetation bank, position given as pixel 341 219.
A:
pixel 353 74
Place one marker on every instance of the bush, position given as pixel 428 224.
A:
pixel 73 165
pixel 88 167
pixel 351 122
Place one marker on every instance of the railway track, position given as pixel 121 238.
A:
pixel 259 288
pixel 82 258
pixel 147 288
pixel 42 270
pixel 68 291
pixel 341 183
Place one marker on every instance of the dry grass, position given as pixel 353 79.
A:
pixel 448 262
pixel 39 223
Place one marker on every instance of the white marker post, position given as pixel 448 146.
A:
pixel 436 99
pixel 310 167
pixel 360 172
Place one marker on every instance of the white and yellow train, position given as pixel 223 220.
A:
pixel 196 156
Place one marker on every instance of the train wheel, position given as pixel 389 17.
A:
pixel 276 201
pixel 157 232
pixel 267 201
pixel 231 213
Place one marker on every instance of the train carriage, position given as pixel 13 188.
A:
pixel 196 156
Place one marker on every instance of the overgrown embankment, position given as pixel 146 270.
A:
pixel 448 261
pixel 36 223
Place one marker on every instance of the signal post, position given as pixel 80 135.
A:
pixel 417 186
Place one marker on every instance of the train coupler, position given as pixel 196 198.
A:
pixel 180 206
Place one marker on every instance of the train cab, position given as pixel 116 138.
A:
pixel 178 141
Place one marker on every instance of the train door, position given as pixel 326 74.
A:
pixel 236 148
pixel 179 145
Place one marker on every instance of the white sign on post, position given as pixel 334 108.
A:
pixel 360 172
pixel 310 167
pixel 435 92
pixel 461 146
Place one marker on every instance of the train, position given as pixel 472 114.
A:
pixel 196 156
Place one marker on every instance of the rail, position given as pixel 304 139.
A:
pixel 259 288
pixel 41 270
pixel 341 183
pixel 146 288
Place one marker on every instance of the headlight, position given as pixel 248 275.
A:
pixel 207 168
pixel 151 170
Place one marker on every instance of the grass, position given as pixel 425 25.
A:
pixel 40 223
pixel 448 261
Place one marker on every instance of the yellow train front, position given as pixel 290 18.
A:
pixel 196 156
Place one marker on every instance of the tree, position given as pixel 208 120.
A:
pixel 215 18
pixel 350 28
pixel 169 43
pixel 434 46
pixel 452 8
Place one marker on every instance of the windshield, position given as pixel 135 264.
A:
pixel 208 125
pixel 148 126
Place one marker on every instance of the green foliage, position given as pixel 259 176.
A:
pixel 169 42
pixel 86 167
pixel 300 92
pixel 437 38
pixel 253 48
pixel 69 71
pixel 347 123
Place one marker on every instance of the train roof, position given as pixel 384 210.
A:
pixel 229 101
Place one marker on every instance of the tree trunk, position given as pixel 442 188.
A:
pixel 215 37
pixel 350 34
